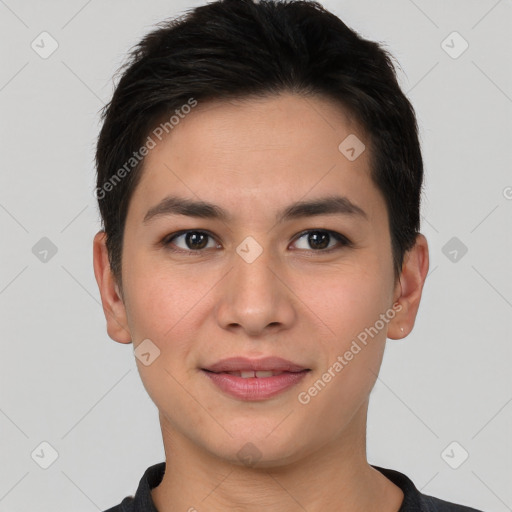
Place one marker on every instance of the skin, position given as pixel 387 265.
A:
pixel 253 158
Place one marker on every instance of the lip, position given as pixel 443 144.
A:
pixel 255 388
pixel 234 364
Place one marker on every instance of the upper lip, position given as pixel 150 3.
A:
pixel 234 364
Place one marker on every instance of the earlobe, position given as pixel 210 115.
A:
pixel 111 298
pixel 412 279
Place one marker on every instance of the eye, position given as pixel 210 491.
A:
pixel 195 241
pixel 319 239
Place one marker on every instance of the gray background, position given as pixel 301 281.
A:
pixel 63 381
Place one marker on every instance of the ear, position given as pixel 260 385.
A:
pixel 409 289
pixel 113 305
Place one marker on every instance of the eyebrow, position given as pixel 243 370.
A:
pixel 174 205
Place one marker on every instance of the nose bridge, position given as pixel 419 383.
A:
pixel 253 281
pixel 252 277
pixel 253 297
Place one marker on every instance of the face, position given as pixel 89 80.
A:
pixel 259 276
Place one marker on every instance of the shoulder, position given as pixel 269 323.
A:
pixel 432 504
pixel 125 506
pixel 415 501
pixel 142 501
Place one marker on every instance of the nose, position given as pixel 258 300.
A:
pixel 255 298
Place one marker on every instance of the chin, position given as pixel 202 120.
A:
pixel 254 449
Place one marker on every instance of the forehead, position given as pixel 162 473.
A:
pixel 258 153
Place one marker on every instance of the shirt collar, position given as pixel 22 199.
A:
pixel 154 474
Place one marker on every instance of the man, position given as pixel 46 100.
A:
pixel 259 181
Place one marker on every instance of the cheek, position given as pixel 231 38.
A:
pixel 350 361
pixel 161 294
pixel 162 307
pixel 171 306
pixel 350 303
pixel 347 298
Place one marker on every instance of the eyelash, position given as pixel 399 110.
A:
pixel 341 239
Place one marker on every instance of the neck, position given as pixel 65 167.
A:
pixel 335 476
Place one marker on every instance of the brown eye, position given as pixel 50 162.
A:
pixel 319 240
pixel 190 240
pixel 196 240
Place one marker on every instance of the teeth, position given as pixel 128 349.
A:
pixel 268 373
pixel 248 374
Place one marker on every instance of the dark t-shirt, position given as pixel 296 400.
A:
pixel 414 501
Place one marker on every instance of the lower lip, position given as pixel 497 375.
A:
pixel 255 388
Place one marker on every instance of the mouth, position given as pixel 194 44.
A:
pixel 249 374
pixel 255 379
